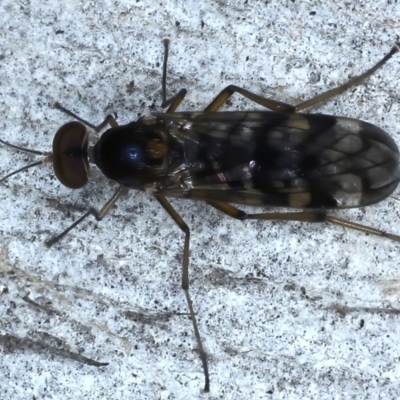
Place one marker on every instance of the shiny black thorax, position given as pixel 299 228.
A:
pixel 135 155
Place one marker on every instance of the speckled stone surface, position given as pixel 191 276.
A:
pixel 286 311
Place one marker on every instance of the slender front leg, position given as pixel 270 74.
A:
pixel 185 283
pixel 99 215
pixel 108 120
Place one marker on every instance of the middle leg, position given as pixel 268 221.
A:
pixel 185 283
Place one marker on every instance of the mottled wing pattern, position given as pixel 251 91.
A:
pixel 291 160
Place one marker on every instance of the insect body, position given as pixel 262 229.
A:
pixel 274 158
pixel 257 158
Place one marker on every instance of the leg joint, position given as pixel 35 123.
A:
pixel 320 217
pixel 231 89
pixel 242 216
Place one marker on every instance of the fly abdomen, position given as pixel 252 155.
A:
pixel 351 163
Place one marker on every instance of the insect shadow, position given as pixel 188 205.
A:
pixel 281 157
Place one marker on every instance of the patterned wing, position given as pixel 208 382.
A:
pixel 291 160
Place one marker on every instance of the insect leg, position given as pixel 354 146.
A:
pixel 99 215
pixel 219 100
pixel 174 101
pixel 21 169
pixel 352 82
pixel 224 95
pixel 362 228
pixel 185 283
pixel 304 216
pixel 173 104
pixel 108 120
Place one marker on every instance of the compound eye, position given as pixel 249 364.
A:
pixel 70 163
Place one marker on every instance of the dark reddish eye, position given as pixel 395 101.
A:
pixel 70 155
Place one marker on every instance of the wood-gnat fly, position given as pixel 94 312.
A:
pixel 280 158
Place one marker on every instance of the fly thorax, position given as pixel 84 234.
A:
pixel 132 155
